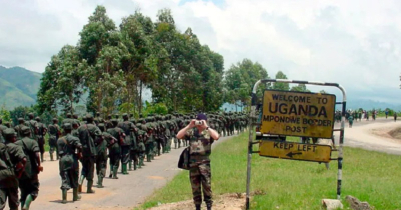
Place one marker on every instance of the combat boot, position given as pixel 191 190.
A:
pixel 99 181
pixel 175 145
pixel 135 166
pixel 111 171
pixel 27 202
pixel 148 158
pixel 64 196
pixel 115 169
pixel 80 182
pixel 124 169
pixel 140 163
pixel 75 196
pixel 130 166
pixel 209 206
pixel 89 187
pixel 198 206
pixel 179 143
pixel 51 157
pixel 41 158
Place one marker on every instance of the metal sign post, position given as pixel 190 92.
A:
pixel 301 114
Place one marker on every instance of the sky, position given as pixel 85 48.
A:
pixel 355 43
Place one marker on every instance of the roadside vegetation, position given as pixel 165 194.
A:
pixel 284 184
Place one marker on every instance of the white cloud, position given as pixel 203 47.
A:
pixel 355 43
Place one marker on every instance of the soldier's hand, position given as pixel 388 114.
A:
pixel 40 169
pixel 192 123
pixel 79 155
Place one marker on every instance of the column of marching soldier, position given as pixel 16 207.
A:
pixel 93 141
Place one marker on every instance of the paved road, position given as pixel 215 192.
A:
pixel 125 193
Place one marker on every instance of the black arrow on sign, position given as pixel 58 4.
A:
pixel 293 153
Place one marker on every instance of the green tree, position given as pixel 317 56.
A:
pixel 300 88
pixel 281 85
pixel 5 114
pixel 62 83
pixel 139 61
pixel 240 79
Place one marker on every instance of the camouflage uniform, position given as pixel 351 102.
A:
pixel 127 128
pixel 29 181
pixel 200 173
pixel 54 134
pixel 88 135
pixel 114 148
pixel 68 164
pixel 9 186
pixel 101 157
pixel 42 130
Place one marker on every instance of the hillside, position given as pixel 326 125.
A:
pixel 18 86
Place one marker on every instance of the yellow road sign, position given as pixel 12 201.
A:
pixel 295 151
pixel 298 114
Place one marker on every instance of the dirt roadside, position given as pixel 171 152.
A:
pixel 374 136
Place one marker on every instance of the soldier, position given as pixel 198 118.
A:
pixel 134 147
pixel 114 147
pixel 200 150
pixel 98 119
pixel 54 134
pixel 69 148
pixel 17 128
pixel 395 116
pixel 88 135
pixel 141 149
pixel 149 144
pixel 12 163
pixel 128 129
pixel 2 128
pixel 68 119
pixel 33 125
pixel 29 181
pixel 42 130
pixel 101 158
pixel 75 118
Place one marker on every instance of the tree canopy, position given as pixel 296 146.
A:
pixel 110 67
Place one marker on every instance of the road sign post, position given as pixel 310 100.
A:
pixel 300 114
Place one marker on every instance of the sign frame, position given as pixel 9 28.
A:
pixel 297 92
pixel 252 124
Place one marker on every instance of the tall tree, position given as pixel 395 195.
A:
pixel 62 83
pixel 300 88
pixel 140 61
pixel 240 79
pixel 281 85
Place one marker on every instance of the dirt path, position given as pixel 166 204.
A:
pixel 125 193
pixel 374 136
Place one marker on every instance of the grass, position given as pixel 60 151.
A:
pixel 370 176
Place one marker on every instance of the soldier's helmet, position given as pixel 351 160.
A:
pixel 55 120
pixel 31 115
pixel 89 118
pixel 101 127
pixel 9 133
pixel 125 116
pixel 25 130
pixel 37 119
pixel 67 126
pixel 21 120
pixel 115 122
